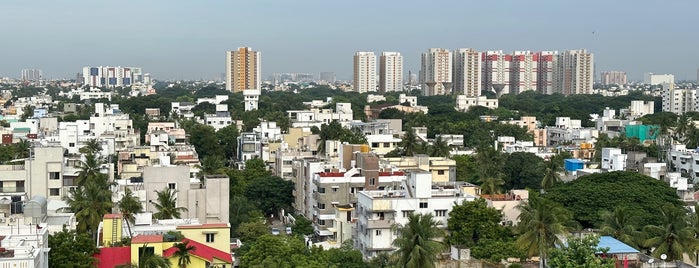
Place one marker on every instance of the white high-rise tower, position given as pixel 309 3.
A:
pixel 436 72
pixel 390 72
pixel 574 72
pixel 364 72
pixel 467 72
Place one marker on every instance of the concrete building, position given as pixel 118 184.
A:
pixel 574 72
pixel 249 147
pixel 496 72
pixel 106 76
pixel 220 119
pixel 251 98
pixel 364 72
pixel 546 63
pixel 243 69
pixel 436 72
pixel 463 103
pixel 614 78
pixel 613 159
pixel 443 169
pixel 390 72
pixel 317 117
pixel 640 108
pixel 467 72
pixel 379 210
pixel 24 246
pixel 684 161
pixel 32 75
pixel 327 78
pixel 658 79
pixel 679 100
pixel 523 72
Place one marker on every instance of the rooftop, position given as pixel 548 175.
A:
pixel 147 239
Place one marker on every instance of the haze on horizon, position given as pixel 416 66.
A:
pixel 188 39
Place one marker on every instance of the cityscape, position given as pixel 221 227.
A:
pixel 364 135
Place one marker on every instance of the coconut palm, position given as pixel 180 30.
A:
pixel 90 203
pixel 619 224
pixel 418 242
pixel 166 205
pixel 89 169
pixel 182 253
pixel 673 238
pixel 409 143
pixel 492 185
pixel 148 259
pixel 440 148
pixel 129 205
pixel 541 221
pixel 92 146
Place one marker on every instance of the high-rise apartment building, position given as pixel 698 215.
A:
pixel 327 77
pixel 436 72
pixel 658 79
pixel 546 61
pixel 467 72
pixel 679 100
pixel 390 72
pixel 31 75
pixel 364 72
pixel 496 71
pixel 574 72
pixel 243 69
pixel 523 72
pixel 613 78
pixel 112 76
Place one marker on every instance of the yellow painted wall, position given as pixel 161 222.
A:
pixel 196 262
pixel 107 231
pixel 221 236
pixel 135 247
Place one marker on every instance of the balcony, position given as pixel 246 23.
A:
pixel 12 190
pixel 380 224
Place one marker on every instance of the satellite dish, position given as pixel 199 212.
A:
pixel 663 256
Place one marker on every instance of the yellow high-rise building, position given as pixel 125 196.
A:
pixel 243 69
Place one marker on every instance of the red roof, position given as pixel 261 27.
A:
pixel 396 173
pixel 112 216
pixel 202 251
pixel 331 174
pixel 147 239
pixel 208 225
pixel 113 257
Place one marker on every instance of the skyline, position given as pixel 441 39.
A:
pixel 189 40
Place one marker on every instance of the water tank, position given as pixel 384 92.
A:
pixel 36 207
pixel 364 148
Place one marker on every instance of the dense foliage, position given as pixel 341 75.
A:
pixel 590 194
pixel 70 249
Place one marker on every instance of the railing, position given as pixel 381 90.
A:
pixel 379 224
pixel 11 167
pixel 12 189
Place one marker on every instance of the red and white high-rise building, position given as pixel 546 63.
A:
pixel 496 72
pixel 523 72
pixel 467 72
pixel 436 72
pixel 546 61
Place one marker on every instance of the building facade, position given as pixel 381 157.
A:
pixel 364 72
pixel 107 76
pixel 614 78
pixel 436 72
pixel 390 72
pixel 496 72
pixel 243 69
pixel 574 72
pixel 523 72
pixel 467 72
pixel 679 100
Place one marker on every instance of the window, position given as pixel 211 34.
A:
pixel 54 175
pixel 54 192
pixel 172 186
pixel 372 181
pixel 386 145
pixel 374 144
pixel 378 232
pixel 440 213
pixel 407 213
pixel 71 144
pixel 423 204
pixel 321 190
pixel 210 238
pixel 321 205
pixel 440 172
pixel 321 222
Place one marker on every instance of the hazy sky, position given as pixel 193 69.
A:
pixel 174 39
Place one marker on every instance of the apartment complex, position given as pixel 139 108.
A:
pixel 106 76
pixel 467 72
pixel 496 71
pixel 364 72
pixel 243 69
pixel 390 72
pixel 679 100
pixel 574 72
pixel 614 78
pixel 31 75
pixel 658 79
pixel 436 72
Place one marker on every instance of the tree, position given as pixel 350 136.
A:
pixel 70 247
pixel 491 185
pixel 227 138
pixel 440 148
pixel 250 231
pixel 471 221
pixel 280 251
pixel 302 226
pixel 620 224
pixel 90 203
pixel 418 243
pixel 271 193
pixel 674 237
pixel 148 259
pixel 182 252
pixel 204 139
pixel 541 221
pixel 580 252
pixel 409 142
pixel 92 146
pixel 129 205
pixel 605 191
pixel 523 170
pixel 166 205
pixel 89 169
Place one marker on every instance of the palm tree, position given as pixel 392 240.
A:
pixel 541 221
pixel 148 259
pixel 92 146
pixel 619 224
pixel 673 238
pixel 182 253
pixel 90 203
pixel 418 242
pixel 129 205
pixel 492 185
pixel 89 169
pixel 167 205
pixel 440 148
pixel 211 165
pixel 551 176
pixel 22 149
pixel 409 143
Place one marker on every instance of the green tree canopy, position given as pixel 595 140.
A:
pixel 580 252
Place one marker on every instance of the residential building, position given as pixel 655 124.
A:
pixel 546 66
pixel 243 69
pixel 523 72
pixel 507 204
pixel 110 77
pixel 183 109
pixel 249 147
pixel 317 117
pixel 374 98
pixel 390 72
pixel 683 160
pixel 467 72
pixel 528 122
pixel 218 99
pixel 251 97
pixel 382 144
pixel 614 78
pixel 378 211
pixel 679 100
pixel 574 72
pixel 436 72
pixel 443 169
pixel 640 108
pixel 613 159
pixel 463 102
pixel 496 72
pixel 32 75
pixel 364 72
pixel 220 119
pixel 327 78
pixel 658 79
pixel 24 246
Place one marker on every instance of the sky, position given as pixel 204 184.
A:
pixel 177 39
